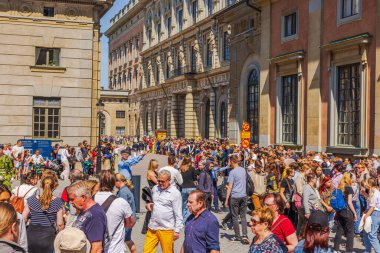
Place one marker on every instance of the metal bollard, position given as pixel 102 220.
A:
pixel 136 180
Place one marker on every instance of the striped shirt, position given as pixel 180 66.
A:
pixel 45 218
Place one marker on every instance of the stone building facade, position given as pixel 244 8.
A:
pixel 185 59
pixel 125 70
pixel 303 73
pixel 49 57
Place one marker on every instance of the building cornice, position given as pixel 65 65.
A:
pixel 355 40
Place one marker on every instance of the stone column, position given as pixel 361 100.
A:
pixel 149 110
pixel 141 119
pixel 173 116
pixel 159 114
pixel 190 116
pixel 212 114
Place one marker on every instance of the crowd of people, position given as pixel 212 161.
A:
pixel 294 201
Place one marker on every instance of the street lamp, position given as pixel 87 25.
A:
pixel 100 108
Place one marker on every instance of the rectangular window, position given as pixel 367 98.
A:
pixel 158 31
pixel 47 56
pixel 208 54
pixel 135 75
pixel 289 109
pixel 209 6
pixel 120 114
pixel 180 19
pixel 49 11
pixel 195 11
pixel 349 99
pixel 169 25
pixel 137 45
pixel 193 60
pixel 46 117
pixel 149 36
pixel 130 79
pixel 226 47
pixel 290 24
pixel 148 79
pixel 120 130
pixel 157 75
pixel 349 8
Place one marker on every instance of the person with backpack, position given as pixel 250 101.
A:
pixel 118 211
pixel 46 215
pixel 237 191
pixel 20 194
pixel 92 219
pixel 341 202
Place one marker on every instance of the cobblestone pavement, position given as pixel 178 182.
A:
pixel 225 235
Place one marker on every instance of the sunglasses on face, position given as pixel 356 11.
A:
pixel 255 222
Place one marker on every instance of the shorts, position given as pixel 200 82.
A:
pixel 128 234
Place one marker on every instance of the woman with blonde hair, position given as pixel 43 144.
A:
pixel 45 213
pixel 9 229
pixel 345 218
pixel 125 186
pixel 264 240
pixel 370 239
pixel 93 186
pixel 152 173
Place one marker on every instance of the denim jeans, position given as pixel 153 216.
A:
pixel 185 194
pixel 358 212
pixel 370 239
pixel 215 187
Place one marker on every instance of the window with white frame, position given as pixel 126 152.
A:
pixel 349 9
pixel 120 130
pixel 47 56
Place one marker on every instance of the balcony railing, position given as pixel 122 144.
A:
pixel 192 69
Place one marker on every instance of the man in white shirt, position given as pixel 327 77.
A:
pixel 176 177
pixel 166 220
pixel 37 158
pixel 119 214
pixel 17 150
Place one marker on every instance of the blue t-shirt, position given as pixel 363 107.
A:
pixel 238 179
pixel 93 222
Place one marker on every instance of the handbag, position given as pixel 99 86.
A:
pixel 297 200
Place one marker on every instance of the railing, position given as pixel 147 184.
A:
pixel 192 69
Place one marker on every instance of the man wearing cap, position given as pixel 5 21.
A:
pixel 6 169
pixel 126 163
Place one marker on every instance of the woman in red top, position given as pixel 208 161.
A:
pixel 282 227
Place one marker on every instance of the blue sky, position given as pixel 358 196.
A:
pixel 105 24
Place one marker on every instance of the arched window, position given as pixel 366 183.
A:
pixel 223 120
pixel 253 104
pixel 207 119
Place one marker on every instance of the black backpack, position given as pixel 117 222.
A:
pixel 250 187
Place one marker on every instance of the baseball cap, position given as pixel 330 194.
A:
pixel 375 156
pixel 318 159
pixel 318 218
pixel 123 151
pixel 71 240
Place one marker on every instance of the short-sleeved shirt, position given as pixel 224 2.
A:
pixel 282 228
pixel 238 179
pixel 116 214
pixel 288 185
pixel 39 216
pixel 347 191
pixel 93 222
pixel 201 233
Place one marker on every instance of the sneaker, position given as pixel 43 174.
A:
pixel 235 239
pixel 245 240
pixel 224 226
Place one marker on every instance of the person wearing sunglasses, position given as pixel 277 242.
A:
pixel 6 232
pixel 264 240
